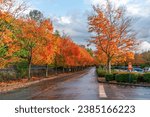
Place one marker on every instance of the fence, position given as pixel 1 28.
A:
pixel 36 71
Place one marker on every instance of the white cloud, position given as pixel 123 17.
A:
pixel 144 46
pixel 103 2
pixel 63 20
pixel 74 25
pixel 134 8
pixel 138 9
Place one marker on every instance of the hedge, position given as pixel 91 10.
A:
pixel 127 77
pixel 101 72
pixel 146 77
pixel 109 77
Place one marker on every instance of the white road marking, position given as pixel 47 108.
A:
pixel 102 93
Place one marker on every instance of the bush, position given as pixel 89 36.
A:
pixel 141 78
pixel 101 72
pixel 109 77
pixel 127 77
pixel 21 69
pixel 146 77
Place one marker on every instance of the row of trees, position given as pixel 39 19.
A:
pixel 142 59
pixel 32 39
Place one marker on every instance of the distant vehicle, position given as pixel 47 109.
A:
pixel 147 69
pixel 139 70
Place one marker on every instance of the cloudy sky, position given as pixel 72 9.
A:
pixel 70 16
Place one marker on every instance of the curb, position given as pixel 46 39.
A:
pixel 125 84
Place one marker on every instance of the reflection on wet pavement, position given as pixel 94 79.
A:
pixel 120 92
pixel 79 86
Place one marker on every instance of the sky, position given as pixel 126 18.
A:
pixel 70 16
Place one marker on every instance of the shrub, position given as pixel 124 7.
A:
pixel 21 69
pixel 146 77
pixel 101 72
pixel 109 77
pixel 141 78
pixel 114 74
pixel 127 77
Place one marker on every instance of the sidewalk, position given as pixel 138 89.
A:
pixel 142 84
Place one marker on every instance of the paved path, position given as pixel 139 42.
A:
pixel 76 87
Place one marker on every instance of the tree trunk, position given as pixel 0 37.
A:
pixel 29 70
pixel 29 64
pixel 109 66
pixel 56 71
pixel 63 70
pixel 46 71
pixel 56 65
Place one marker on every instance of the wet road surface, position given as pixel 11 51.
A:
pixel 121 92
pixel 79 86
pixel 76 87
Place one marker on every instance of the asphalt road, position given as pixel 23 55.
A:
pixel 78 86
pixel 75 87
pixel 121 92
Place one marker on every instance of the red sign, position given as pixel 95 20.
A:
pixel 130 66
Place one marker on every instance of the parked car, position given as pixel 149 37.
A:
pixel 147 69
pixel 139 70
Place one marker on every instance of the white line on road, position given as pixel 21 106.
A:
pixel 102 93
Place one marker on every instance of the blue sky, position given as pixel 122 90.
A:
pixel 59 7
pixel 70 16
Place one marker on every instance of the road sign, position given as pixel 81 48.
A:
pixel 130 66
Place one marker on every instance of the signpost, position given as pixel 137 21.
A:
pixel 130 66
pixel 130 69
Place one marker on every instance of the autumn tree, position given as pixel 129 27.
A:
pixel 57 46
pixel 43 54
pixel 14 7
pixel 72 55
pixel 8 32
pixel 9 12
pixel 28 40
pixel 113 36
pixel 146 57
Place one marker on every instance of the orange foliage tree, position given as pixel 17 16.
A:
pixel 8 39
pixel 8 30
pixel 43 54
pixel 113 39
pixel 33 41
pixel 72 55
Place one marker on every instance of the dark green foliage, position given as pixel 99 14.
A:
pixel 22 69
pixel 90 51
pixel 3 50
pixel 109 77
pixel 146 77
pixel 36 15
pixel 141 78
pixel 127 77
